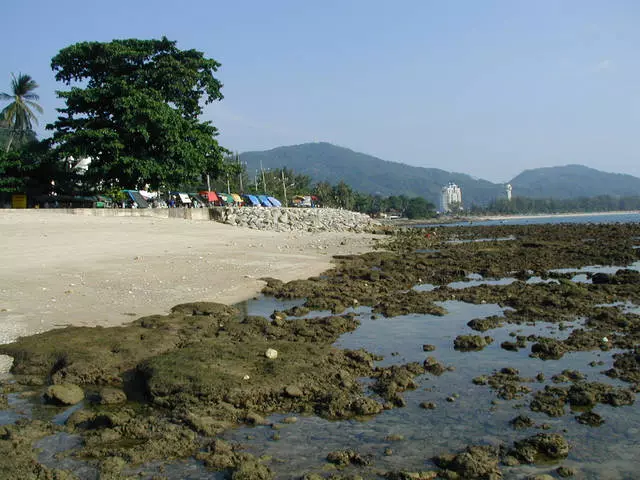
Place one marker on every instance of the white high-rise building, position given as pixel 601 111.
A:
pixel 450 194
pixel 508 189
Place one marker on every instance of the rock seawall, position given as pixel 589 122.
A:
pixel 290 219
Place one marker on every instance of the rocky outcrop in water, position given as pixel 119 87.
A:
pixel 295 219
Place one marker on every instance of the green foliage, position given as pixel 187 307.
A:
pixel 418 207
pixel 573 182
pixel 136 112
pixel 18 138
pixel 524 206
pixel 18 117
pixel 324 162
pixel 31 169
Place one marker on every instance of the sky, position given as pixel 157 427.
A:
pixel 488 88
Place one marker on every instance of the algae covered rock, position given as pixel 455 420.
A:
pixel 111 396
pixel 64 394
pixel 476 462
pixel 252 470
pixel 467 343
pixel 542 447
pixel 343 458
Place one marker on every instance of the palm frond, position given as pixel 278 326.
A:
pixel 19 115
pixel 34 105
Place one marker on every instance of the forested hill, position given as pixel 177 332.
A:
pixel 573 181
pixel 368 174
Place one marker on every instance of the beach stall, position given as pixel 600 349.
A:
pixel 211 197
pixel 251 200
pixel 184 199
pixel 274 201
pixel 264 201
pixel 227 199
pixel 237 199
pixel 136 199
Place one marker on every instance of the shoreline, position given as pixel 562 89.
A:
pixel 446 220
pixel 61 270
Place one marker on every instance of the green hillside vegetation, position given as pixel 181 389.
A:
pixel 525 205
pixel 573 181
pixel 324 162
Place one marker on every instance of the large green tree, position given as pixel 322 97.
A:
pixel 134 109
pixel 17 118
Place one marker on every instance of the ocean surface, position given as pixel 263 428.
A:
pixel 619 217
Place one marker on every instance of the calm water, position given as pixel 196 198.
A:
pixel 611 451
pixel 540 219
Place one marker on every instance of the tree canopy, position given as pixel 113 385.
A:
pixel 18 118
pixel 134 109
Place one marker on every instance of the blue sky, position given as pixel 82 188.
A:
pixel 488 88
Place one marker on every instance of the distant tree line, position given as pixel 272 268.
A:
pixel 525 205
pixel 284 184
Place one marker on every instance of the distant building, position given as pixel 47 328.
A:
pixel 451 194
pixel 508 188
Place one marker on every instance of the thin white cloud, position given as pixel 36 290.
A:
pixel 602 65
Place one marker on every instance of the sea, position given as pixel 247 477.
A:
pixel 604 217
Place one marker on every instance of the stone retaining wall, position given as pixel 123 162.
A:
pixel 279 219
pixel 288 219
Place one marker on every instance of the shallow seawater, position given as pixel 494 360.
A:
pixel 609 451
pixel 477 416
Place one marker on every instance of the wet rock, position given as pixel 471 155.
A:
pixel 548 349
pixel 395 379
pixel 476 462
pixel 293 391
pixel 253 418
pixel 428 348
pixel 565 472
pixel 271 353
pixel 521 421
pixel 507 384
pixel 396 437
pixel 551 401
pixel 111 396
pixel 205 309
pixel 511 346
pixel 251 470
pixel 342 458
pixel 428 405
pixel 290 420
pixel 471 342
pixel 484 324
pixel 481 380
pixel 541 447
pixel 590 418
pixel 432 366
pixel 403 475
pixel 64 394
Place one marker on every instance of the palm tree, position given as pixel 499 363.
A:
pixel 18 116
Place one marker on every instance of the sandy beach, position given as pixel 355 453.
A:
pixel 58 269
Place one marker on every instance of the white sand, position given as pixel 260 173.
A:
pixel 58 269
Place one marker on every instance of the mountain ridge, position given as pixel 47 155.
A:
pixel 323 161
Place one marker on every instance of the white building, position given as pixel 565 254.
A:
pixel 450 194
pixel 508 189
